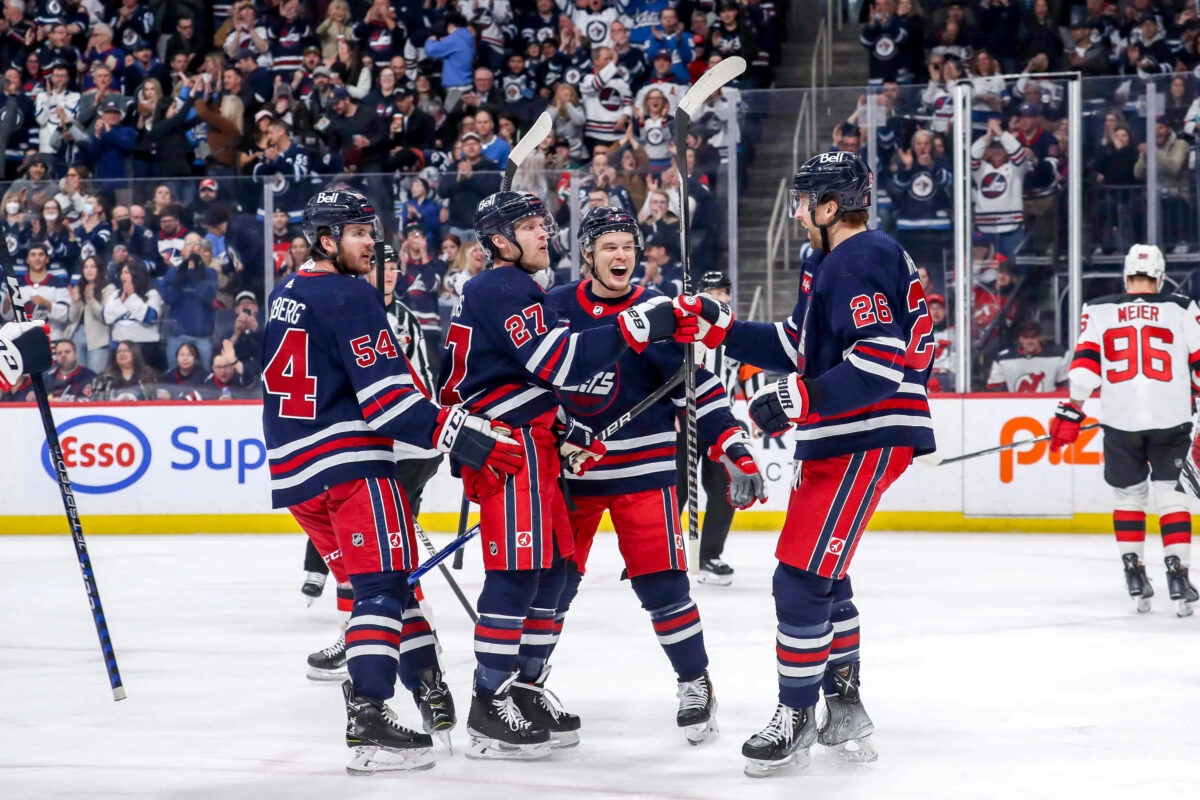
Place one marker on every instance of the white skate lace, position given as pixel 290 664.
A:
pixel 693 694
pixel 390 716
pixel 550 702
pixel 335 649
pixel 512 716
pixel 779 729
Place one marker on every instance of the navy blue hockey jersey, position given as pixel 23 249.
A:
pixel 508 351
pixel 861 335
pixel 641 456
pixel 337 389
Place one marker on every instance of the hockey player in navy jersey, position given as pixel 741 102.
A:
pixel 506 355
pixel 337 393
pixel 635 481
pixel 857 352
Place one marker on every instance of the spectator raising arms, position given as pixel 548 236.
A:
pixel 133 311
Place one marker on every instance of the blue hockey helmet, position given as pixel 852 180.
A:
pixel 334 210
pixel 499 213
pixel 844 175
pixel 607 219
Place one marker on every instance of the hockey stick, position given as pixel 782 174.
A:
pixel 710 82
pixel 616 425
pixel 454 587
pixel 536 134
pixel 463 510
pixel 68 495
pixel 933 460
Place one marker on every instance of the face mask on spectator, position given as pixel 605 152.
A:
pixel 12 208
pixel 89 209
pixel 123 225
pixel 50 216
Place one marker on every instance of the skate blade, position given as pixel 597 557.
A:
pixel 1184 608
pixel 714 580
pixel 797 762
pixel 444 736
pixel 702 732
pixel 856 751
pixel 561 740
pixel 370 760
pixel 1142 604
pixel 322 675
pixel 493 750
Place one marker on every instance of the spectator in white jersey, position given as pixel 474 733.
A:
pixel 1031 367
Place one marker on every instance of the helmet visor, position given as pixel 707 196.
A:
pixel 548 225
pixel 796 199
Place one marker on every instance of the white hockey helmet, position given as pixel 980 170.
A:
pixel 1146 260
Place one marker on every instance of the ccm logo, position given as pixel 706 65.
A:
pixel 1021 428
pixel 103 454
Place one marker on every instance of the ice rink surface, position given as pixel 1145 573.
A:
pixel 995 666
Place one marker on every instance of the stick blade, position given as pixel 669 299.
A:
pixel 537 132
pixel 930 460
pixel 710 82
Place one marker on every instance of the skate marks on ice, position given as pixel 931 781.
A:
pixel 994 666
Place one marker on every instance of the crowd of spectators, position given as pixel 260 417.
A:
pixel 157 156
pixel 1127 51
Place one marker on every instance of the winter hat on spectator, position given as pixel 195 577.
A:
pixel 663 55
pixel 283 90
pixel 471 135
pixel 243 296
pixel 312 48
pixel 322 71
pixel 413 226
pixel 110 105
pixel 340 93
pixel 208 183
pixel 935 298
pixel 1029 110
pixel 141 44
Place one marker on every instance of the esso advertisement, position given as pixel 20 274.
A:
pixel 102 453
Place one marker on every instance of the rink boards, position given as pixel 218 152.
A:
pixel 201 467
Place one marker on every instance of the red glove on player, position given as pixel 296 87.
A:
pixel 477 442
pixel 1064 428
pixel 732 451
pixel 713 318
pixel 652 321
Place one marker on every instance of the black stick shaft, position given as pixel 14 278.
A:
pixel 682 121
pixel 463 510
pixel 68 497
pixel 1009 446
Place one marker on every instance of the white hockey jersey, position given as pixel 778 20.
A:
pixel 1014 371
pixel 1143 352
pixel 490 16
pixel 606 98
pixel 999 191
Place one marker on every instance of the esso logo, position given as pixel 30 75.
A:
pixel 102 454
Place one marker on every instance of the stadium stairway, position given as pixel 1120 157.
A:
pixel 772 156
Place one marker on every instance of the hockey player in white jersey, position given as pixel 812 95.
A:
pixel 1142 350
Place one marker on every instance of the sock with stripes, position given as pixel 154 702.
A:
pixel 803 610
pixel 345 597
pixel 503 606
pixel 373 637
pixel 843 649
pixel 418 645
pixel 676 620
pixel 1130 528
pixel 537 633
pixel 1177 535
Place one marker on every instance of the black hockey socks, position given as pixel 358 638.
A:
pixel 676 620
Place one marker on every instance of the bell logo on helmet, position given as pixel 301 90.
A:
pixel 832 158
pixel 327 197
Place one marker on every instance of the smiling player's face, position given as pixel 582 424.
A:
pixel 613 260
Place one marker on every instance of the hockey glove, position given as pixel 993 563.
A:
pixel 778 406
pixel 477 442
pixel 579 447
pixel 732 451
pixel 652 321
pixel 713 318
pixel 1064 428
pixel 24 350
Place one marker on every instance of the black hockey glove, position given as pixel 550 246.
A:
pixel 477 442
pixel 24 350
pixel 778 406
pixel 579 447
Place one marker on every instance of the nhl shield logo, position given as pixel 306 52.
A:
pixel 356 539
pixel 492 548
pixel 524 539
pixel 678 541
pixel 395 540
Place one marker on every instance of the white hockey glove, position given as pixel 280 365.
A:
pixel 477 442
pixel 778 406
pixel 746 485
pixel 24 350
pixel 579 447
pixel 652 321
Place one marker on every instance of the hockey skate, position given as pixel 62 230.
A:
pixel 314 584
pixel 499 730
pixel 1137 582
pixel 1180 588
pixel 436 705
pixel 379 742
pixel 544 710
pixel 715 572
pixel 329 664
pixel 785 741
pixel 846 727
pixel 697 713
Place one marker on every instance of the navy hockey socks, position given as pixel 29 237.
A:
pixel 373 637
pixel 844 648
pixel 418 645
pixel 676 620
pixel 537 633
pixel 803 606
pixel 503 605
